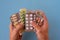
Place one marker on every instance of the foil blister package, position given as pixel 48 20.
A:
pixel 26 17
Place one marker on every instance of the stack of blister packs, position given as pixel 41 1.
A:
pixel 26 17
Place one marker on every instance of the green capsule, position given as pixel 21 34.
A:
pixel 22 15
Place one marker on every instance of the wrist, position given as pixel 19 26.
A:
pixel 40 35
pixel 17 37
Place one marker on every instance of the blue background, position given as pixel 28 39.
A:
pixel 50 7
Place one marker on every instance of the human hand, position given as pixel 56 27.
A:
pixel 41 31
pixel 14 31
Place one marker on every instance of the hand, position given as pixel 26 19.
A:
pixel 41 31
pixel 14 31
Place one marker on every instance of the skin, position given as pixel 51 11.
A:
pixel 14 31
pixel 41 31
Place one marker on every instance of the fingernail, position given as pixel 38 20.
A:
pixel 42 20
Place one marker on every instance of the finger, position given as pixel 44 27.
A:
pixel 35 26
pixel 44 16
pixel 39 20
pixel 11 27
pixel 45 22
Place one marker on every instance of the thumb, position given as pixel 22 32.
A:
pixel 19 26
pixel 35 26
